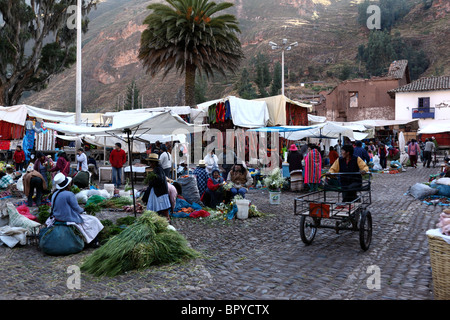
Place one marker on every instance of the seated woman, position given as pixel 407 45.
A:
pixel 66 209
pixel 214 189
pixel 241 179
pixel 157 194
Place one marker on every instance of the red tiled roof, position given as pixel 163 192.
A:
pixel 426 84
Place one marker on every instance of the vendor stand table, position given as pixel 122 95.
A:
pixel 137 171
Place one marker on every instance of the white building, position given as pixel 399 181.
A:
pixel 426 99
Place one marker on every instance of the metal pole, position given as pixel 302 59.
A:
pixel 282 72
pixel 78 81
pixel 131 170
pixel 78 73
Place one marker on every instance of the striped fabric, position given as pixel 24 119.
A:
pixel 313 167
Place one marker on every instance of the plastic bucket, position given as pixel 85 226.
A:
pixel 274 197
pixel 242 208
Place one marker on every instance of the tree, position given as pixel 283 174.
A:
pixel 276 82
pixel 201 86
pixel 186 35
pixel 35 44
pixel 378 54
pixel 382 49
pixel 132 99
pixel 244 86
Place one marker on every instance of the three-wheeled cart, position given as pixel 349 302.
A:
pixel 327 209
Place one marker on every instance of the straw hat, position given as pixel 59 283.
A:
pixel 61 181
pixel 153 157
pixel 293 147
pixel 202 163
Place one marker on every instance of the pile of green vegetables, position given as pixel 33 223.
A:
pixel 111 229
pixel 96 203
pixel 146 242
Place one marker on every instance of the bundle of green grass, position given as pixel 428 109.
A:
pixel 146 242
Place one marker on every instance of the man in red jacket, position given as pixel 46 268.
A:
pixel 19 158
pixel 117 158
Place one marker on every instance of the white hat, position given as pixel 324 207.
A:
pixel 61 181
pixel 202 163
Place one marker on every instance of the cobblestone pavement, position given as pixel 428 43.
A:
pixel 261 258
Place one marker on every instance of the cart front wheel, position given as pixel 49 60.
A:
pixel 308 228
pixel 365 230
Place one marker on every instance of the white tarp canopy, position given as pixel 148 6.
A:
pixel 50 115
pixel 18 115
pixel 383 123
pixel 15 114
pixel 434 127
pixel 327 130
pixel 316 119
pixel 245 113
pixel 163 123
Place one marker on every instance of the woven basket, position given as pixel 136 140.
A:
pixel 440 265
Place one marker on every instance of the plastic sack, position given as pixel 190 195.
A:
pixel 25 211
pixel 95 199
pixel 11 236
pixel 420 191
pixel 105 194
pixel 60 240
pixel 190 189
pixel 443 181
pixel 82 196
pixel 376 163
pixel 93 192
pixel 441 189
pixel 19 184
pixel 18 220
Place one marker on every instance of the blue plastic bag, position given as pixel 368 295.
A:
pixel 60 240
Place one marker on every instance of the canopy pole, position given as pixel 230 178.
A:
pixel 104 150
pixel 131 170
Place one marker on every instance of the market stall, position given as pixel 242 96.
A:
pixel 133 127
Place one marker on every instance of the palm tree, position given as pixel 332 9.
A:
pixel 185 35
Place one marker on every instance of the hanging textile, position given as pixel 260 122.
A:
pixel 220 112
pixel 227 110
pixel 212 113
pixel 28 143
pixel 45 141
pixel 4 144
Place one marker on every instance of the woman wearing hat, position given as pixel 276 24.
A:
pixel 294 159
pixel 202 177
pixel 65 208
pixel 157 194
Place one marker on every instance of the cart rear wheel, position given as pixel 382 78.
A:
pixel 308 228
pixel 365 230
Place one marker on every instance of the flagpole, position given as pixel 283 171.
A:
pixel 78 84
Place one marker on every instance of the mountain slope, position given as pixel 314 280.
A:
pixel 327 32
